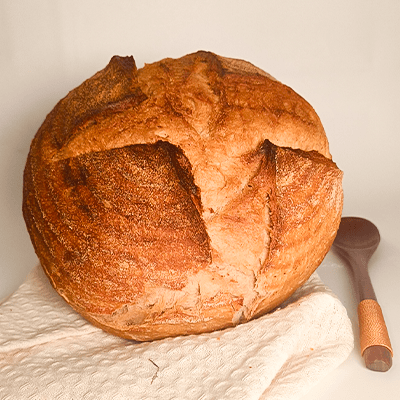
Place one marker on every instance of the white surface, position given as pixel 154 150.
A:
pixel 342 56
pixel 48 351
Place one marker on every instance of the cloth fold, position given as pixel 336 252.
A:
pixel 48 351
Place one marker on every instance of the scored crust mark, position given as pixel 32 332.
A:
pixel 200 96
pixel 240 231
pixel 305 215
pixel 119 218
pixel 112 90
pixel 213 108
pixel 184 173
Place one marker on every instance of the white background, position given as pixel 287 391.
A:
pixel 342 56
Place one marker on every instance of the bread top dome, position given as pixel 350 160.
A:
pixel 183 197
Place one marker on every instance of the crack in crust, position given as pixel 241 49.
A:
pixel 184 197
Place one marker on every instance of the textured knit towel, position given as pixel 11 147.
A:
pixel 47 351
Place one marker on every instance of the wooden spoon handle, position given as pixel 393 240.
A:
pixel 374 338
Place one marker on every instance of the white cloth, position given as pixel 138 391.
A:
pixel 47 351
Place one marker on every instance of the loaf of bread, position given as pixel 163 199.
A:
pixel 187 196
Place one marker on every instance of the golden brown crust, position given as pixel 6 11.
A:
pixel 187 196
pixel 305 206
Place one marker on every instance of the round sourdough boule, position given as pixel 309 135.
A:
pixel 184 197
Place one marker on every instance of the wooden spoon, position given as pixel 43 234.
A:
pixel 356 241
